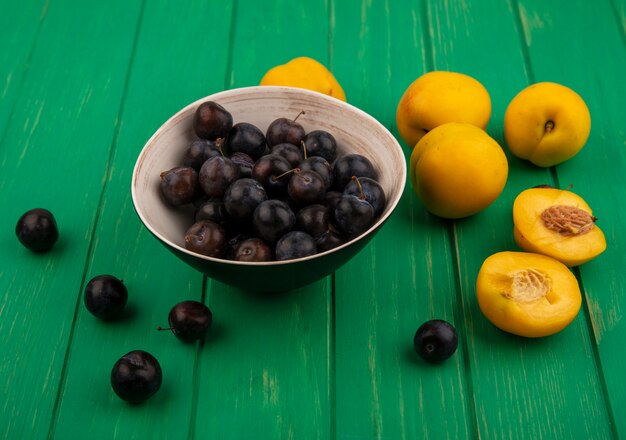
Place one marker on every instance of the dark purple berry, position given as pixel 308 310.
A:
pixel 271 171
pixel 351 165
pixel 199 152
pixel 105 297
pixel 292 153
pixel 207 238
pixel 242 197
pixel 214 210
pixel 321 143
pixel 244 162
pixel 321 167
pixel 313 219
pixel 136 376
pixel 354 215
pixel 370 190
pixel 329 239
pixel 295 244
pixel 283 130
pixel 435 340
pixel 37 230
pixel 212 121
pixel 217 174
pixel 179 185
pixel 189 321
pixel 246 138
pixel 253 249
pixel 272 219
pixel 306 187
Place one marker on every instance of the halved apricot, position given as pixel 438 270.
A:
pixel 527 294
pixel 557 223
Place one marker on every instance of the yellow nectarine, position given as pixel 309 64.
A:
pixel 457 170
pixel 439 97
pixel 547 124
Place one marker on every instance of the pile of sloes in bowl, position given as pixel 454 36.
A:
pixel 278 195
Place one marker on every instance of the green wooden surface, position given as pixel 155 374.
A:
pixel 83 86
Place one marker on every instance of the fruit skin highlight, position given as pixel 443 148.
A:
pixel 557 223
pixel 136 376
pixel 305 73
pixel 105 297
pixel 37 230
pixel 546 123
pixel 435 341
pixel 439 97
pixel 457 170
pixel 527 294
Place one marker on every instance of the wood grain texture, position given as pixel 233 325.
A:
pixel 597 171
pixel 82 88
pixel 70 92
pixel 19 31
pixel 406 275
pixel 165 75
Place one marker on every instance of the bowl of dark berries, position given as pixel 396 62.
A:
pixel 268 188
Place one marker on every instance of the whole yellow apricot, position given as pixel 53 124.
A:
pixel 305 73
pixel 547 124
pixel 457 170
pixel 557 223
pixel 439 97
pixel 527 294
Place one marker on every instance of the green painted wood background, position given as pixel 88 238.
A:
pixel 84 85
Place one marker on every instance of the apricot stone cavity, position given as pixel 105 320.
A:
pixel 568 220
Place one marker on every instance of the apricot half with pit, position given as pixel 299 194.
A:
pixel 557 223
pixel 527 294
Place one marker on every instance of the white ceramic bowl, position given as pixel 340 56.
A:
pixel 355 132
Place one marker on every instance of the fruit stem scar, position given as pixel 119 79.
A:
pixel 549 126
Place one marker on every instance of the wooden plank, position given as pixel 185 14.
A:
pixel 324 361
pixel 166 74
pixel 547 388
pixel 586 50
pixel 405 276
pixel 266 374
pixel 19 29
pixel 54 155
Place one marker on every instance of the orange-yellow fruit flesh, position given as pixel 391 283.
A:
pixel 527 294
pixel 532 235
